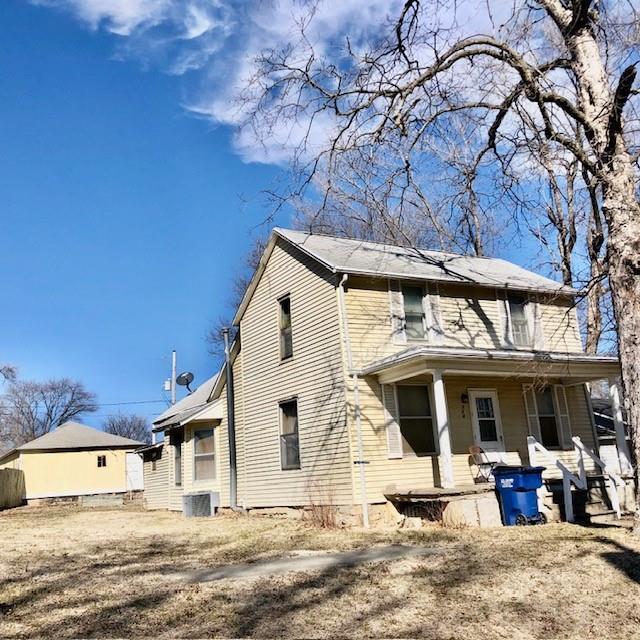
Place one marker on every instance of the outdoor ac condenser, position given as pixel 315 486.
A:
pixel 200 505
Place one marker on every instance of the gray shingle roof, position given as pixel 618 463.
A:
pixel 72 435
pixel 343 255
pixel 188 405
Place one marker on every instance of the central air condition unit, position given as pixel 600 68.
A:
pixel 200 505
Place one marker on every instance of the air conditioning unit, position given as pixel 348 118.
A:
pixel 200 505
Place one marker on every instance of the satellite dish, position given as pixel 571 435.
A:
pixel 185 379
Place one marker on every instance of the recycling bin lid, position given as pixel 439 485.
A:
pixel 509 468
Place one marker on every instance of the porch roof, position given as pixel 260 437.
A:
pixel 423 359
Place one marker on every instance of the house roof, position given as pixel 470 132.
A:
pixel 72 435
pixel 525 362
pixel 188 406
pixel 358 257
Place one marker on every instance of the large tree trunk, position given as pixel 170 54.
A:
pixel 622 213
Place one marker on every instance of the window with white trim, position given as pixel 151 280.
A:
pixel 416 420
pixel 547 419
pixel 414 315
pixel 204 456
pixel 520 329
pixel 176 440
pixel 286 334
pixel 289 439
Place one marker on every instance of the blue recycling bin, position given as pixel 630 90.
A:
pixel 516 488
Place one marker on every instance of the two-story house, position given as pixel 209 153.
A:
pixel 363 371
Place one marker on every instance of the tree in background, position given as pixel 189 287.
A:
pixel 29 410
pixel 132 427
pixel 7 373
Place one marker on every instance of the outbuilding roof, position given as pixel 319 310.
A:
pixel 72 435
pixel 358 257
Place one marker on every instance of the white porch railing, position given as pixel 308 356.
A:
pixel 579 480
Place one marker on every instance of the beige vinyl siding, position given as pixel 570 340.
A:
pixel 367 304
pixel 560 325
pixel 314 375
pixel 386 475
pixel 469 317
pixel 156 482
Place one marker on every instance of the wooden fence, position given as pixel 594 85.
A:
pixel 12 491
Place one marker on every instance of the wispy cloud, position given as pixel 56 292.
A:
pixel 217 41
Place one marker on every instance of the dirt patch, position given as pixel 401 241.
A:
pixel 69 572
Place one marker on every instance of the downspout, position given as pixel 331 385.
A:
pixel 231 424
pixel 356 404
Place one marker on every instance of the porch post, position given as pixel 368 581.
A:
pixel 621 438
pixel 442 424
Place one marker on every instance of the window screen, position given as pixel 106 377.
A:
pixel 414 312
pixel 416 422
pixel 286 336
pixel 204 455
pixel 289 441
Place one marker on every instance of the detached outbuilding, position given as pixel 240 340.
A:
pixel 76 461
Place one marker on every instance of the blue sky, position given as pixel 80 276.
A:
pixel 122 220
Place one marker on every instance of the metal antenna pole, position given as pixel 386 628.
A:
pixel 173 377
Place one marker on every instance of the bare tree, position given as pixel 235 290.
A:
pixel 8 372
pixel 28 410
pixel 239 285
pixel 561 71
pixel 131 426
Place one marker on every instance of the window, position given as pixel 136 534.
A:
pixel 286 337
pixel 204 457
pixel 176 440
pixel 414 318
pixel 519 322
pixel 547 418
pixel 416 423
pixel 102 461
pixel 153 464
pixel 289 441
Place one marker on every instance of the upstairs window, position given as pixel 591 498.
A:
pixel 519 322
pixel 289 440
pixel 414 316
pixel 102 461
pixel 286 337
pixel 416 421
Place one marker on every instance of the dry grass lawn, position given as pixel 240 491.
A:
pixel 67 572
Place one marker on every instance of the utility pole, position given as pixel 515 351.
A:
pixel 173 377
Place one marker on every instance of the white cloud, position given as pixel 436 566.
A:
pixel 219 39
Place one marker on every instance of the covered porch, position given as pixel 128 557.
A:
pixel 495 400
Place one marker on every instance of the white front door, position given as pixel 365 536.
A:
pixel 485 415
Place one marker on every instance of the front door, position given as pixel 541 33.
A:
pixel 485 415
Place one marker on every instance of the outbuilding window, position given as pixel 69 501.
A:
pixel 102 461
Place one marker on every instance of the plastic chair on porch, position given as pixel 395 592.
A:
pixel 483 464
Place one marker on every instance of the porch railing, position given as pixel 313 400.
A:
pixel 579 479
